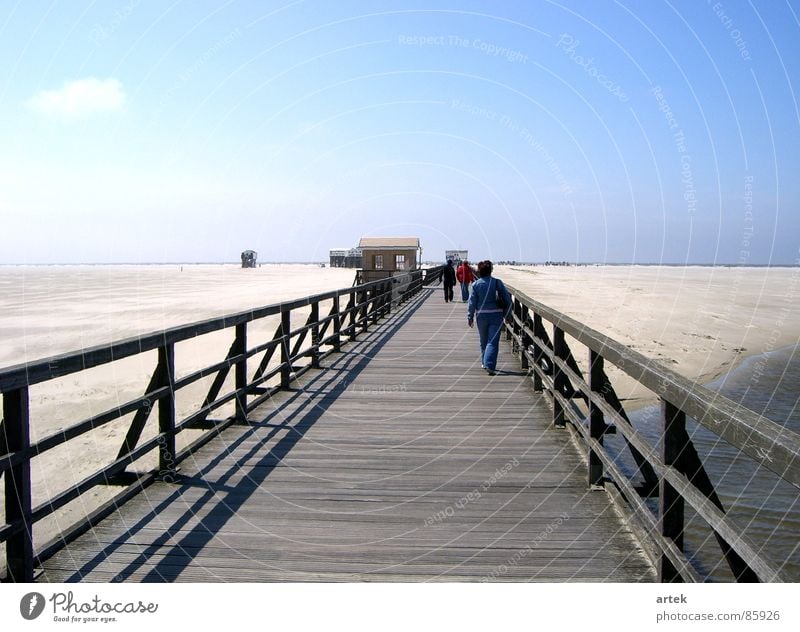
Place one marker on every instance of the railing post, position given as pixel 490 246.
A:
pixel 286 362
pixel 315 334
pixel 352 310
pixel 241 373
pixel 515 324
pixel 511 327
pixel 538 386
pixel 671 504
pixel 387 298
pixel 596 421
pixel 526 339
pixel 377 303
pixel 337 324
pixel 19 547
pixel 559 350
pixel 166 413
pixel 362 312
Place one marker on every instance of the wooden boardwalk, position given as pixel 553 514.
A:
pixel 400 460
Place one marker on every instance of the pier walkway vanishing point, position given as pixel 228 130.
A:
pixel 399 460
pixel 367 444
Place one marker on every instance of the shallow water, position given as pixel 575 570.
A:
pixel 765 507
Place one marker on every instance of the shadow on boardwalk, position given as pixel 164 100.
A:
pixel 220 500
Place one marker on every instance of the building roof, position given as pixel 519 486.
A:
pixel 406 243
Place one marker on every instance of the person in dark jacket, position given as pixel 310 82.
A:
pixel 483 304
pixel 465 276
pixel 449 281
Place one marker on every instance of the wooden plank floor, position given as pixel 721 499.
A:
pixel 400 460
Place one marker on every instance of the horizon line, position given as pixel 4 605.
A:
pixel 503 262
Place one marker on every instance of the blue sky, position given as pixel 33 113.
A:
pixel 630 131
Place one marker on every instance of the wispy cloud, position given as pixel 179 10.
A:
pixel 80 98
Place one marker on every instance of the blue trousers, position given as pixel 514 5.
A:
pixel 464 292
pixel 489 328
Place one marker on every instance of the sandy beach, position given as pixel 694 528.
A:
pixel 49 310
pixel 699 321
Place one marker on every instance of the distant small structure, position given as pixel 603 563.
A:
pixel 345 258
pixel 456 256
pixel 384 257
pixel 249 258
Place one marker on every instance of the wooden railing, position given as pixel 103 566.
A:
pixel 672 471
pixel 277 363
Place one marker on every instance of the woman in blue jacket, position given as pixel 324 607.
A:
pixel 490 316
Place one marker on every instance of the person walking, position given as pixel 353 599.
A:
pixel 465 276
pixel 449 281
pixel 489 304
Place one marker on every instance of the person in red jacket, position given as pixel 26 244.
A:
pixel 465 276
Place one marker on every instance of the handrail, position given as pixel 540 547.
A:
pixel 672 470
pixel 366 305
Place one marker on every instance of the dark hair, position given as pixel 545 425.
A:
pixel 485 268
pixel 450 262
